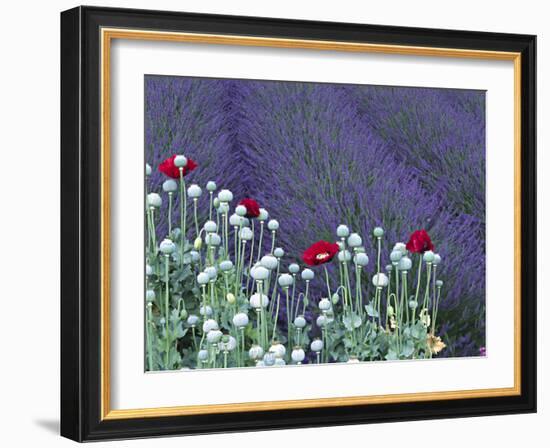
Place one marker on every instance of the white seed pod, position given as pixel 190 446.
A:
pixel 235 220
pixel 203 278
pixel 294 268
pixel 361 259
pixel 263 215
pixel 316 345
pixel 255 352
pixel 223 208
pixel 354 240
pixel 342 231
pixel 273 224
pixel 308 274
pixel 211 185
pixel 148 270
pixel 226 265
pixel 280 362
pixel 324 304
pixel 401 247
pixel 170 185
pixel 245 221
pixel 203 355
pixel 278 350
pixel 194 191
pixel 298 354
pixel 380 280
pixel 344 256
pixel 214 336
pixel 378 232
pixel 229 345
pixel 437 259
pixel 300 322
pixel 240 210
pixel 192 320
pixel 428 256
pixel 405 264
pixel 439 283
pixel 225 196
pixel 259 273
pixel 352 360
pixel 257 301
pixel 154 200
pixel 150 295
pixel 205 311
pixel 285 280
pixel 167 246
pixel 212 272
pixel 212 239
pixel 195 256
pixel 389 268
pixel 209 325
pixel 230 298
pixel 216 202
pixel 246 234
pixel 240 320
pixel 321 321
pixel 413 304
pixel 148 170
pixel 396 255
pixel 210 226
pixel 269 359
pixel 269 262
pixel 279 252
pixel 180 161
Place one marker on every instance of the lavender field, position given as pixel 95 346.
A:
pixel 316 156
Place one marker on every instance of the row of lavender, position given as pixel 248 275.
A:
pixel 317 155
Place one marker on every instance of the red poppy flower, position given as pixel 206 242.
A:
pixel 420 242
pixel 319 253
pixel 171 170
pixel 252 207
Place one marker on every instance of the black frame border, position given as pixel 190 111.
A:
pixel 81 223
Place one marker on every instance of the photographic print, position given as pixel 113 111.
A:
pixel 293 223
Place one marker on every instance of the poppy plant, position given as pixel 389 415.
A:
pixel 319 253
pixel 169 168
pixel 420 242
pixel 252 207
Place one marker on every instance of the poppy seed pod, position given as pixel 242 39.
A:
pixel 428 256
pixel 209 325
pixel 361 259
pixel 154 200
pixel 413 304
pixel 316 345
pixel 344 255
pixel 148 270
pixel 300 322
pixel 194 191
pixel 213 239
pixel 226 265
pixel 405 264
pixel 395 256
pixel 169 186
pixel 273 224
pixel 278 350
pixel 324 304
pixel 259 273
pixel 211 185
pixel 389 268
pixel 437 259
pixel 294 268
pixel 205 311
pixel 167 246
pixel 210 226
pixel 195 256
pixel 180 161
pixel 439 283
pixel 263 215
pixel 285 280
pixel 246 234
pixel 321 321
pixel 148 169
pixel 240 320
pixel 269 359
pixel 307 274
pixel 380 280
pixel 203 355
pixel 192 320
pixel 203 278
pixel 223 209
pixel 230 298
pixel 225 196
pixel 240 210
pixel 256 352
pixel 257 302
pixel 212 272
pixel 269 262
pixel 235 220
pixel 378 232
pixel 342 231
pixel 216 203
pixel 354 240
pixel 280 362
pixel 150 295
pixel 214 336
pixel 298 354
pixel 279 252
pixel 402 247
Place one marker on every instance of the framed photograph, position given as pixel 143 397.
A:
pixel 276 224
